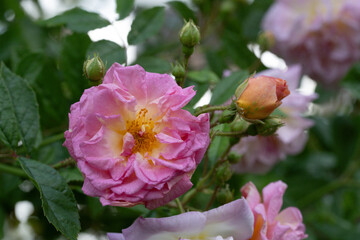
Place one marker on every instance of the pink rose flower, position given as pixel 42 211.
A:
pixel 322 35
pixel 132 141
pixel 260 153
pixel 232 221
pixel 269 224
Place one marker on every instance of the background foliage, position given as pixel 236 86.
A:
pixel 41 76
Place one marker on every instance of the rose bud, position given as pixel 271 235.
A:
pixel 258 97
pixel 189 34
pixel 94 69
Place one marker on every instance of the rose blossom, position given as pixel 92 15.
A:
pixel 259 96
pixel 260 153
pixel 322 35
pixel 232 221
pixel 132 141
pixel 269 224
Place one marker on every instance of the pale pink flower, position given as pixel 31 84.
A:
pixel 132 141
pixel 232 221
pixel 323 35
pixel 260 153
pixel 269 224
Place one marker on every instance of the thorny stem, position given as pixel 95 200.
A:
pixel 231 134
pixel 210 109
pixel 65 163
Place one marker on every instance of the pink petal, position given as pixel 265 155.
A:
pixel 189 223
pixel 115 236
pixel 250 192
pixel 234 219
pixel 272 195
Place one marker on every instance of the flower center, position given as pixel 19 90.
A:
pixel 142 131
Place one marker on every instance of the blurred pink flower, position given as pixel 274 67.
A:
pixel 269 224
pixel 323 35
pixel 232 221
pixel 132 141
pixel 260 153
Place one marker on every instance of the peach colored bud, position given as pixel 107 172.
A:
pixel 259 96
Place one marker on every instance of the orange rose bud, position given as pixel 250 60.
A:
pixel 258 97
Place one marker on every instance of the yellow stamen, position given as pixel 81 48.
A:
pixel 142 129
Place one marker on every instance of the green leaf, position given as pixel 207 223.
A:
pixel 124 8
pixel 218 145
pixel 72 57
pixel 203 76
pixel 51 153
pixel 109 52
pixel 19 115
pixel 2 221
pixel 77 20
pixel 235 47
pixel 226 87
pixel 153 64
pixel 71 175
pixel 58 201
pixel 146 24
pixel 30 67
pixel 184 11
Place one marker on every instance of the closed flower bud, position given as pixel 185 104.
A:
pixel 223 173
pixel 259 96
pixel 94 69
pixel 225 195
pixel 270 126
pixel 189 34
pixel 178 70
